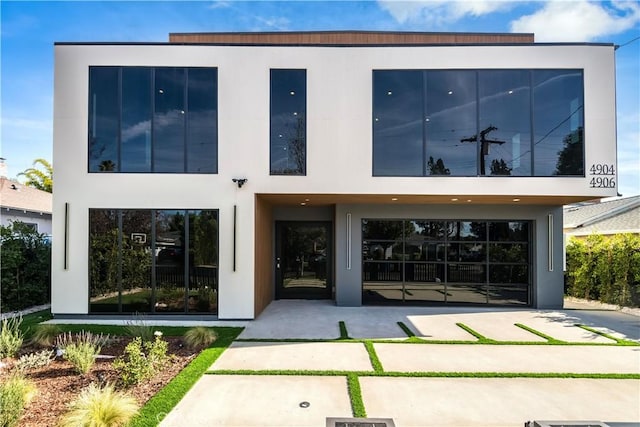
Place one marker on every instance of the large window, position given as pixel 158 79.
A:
pixel 458 262
pixel 161 120
pixel 288 146
pixel 153 261
pixel 478 122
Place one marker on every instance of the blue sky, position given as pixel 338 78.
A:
pixel 29 29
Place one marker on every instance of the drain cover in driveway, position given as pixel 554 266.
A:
pixel 360 422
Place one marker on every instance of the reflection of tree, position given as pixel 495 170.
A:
pixel 386 230
pixel 499 167
pixel 570 158
pixel 205 245
pixel 295 149
pixel 437 167
pixel 107 166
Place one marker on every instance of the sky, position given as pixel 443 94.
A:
pixel 29 29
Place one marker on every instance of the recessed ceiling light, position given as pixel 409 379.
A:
pixel 450 92
pixel 306 200
pixel 376 119
pixel 427 119
pixel 279 135
pixel 295 113
pixel 303 204
pixel 454 200
pixel 292 93
pixel 394 198
pixel 389 93
pixel 516 200
pixel 510 92
pixel 160 91
pixel 468 200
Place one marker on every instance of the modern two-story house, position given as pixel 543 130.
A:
pixel 217 172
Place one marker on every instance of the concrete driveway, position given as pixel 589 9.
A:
pixel 470 367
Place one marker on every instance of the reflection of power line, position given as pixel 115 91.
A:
pixel 485 144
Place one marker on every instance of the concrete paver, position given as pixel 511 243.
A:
pixel 464 402
pixel 294 356
pixel 244 401
pixel 508 358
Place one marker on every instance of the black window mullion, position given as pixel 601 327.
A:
pixel 424 123
pixel 480 171
pixel 185 122
pixel 531 118
pixel 153 114
pixel 119 141
pixel 153 261
pixel 186 262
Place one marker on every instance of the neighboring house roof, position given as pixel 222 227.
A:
pixel 614 216
pixel 18 196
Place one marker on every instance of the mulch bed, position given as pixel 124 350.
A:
pixel 58 384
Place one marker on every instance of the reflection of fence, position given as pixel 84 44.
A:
pixel 199 277
pixel 422 272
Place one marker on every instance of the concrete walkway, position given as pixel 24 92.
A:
pixel 222 397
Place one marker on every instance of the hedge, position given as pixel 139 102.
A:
pixel 606 269
pixel 25 260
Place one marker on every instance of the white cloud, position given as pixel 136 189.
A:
pixel 441 12
pixel 219 4
pixel 578 21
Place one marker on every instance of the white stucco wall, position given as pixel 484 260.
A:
pixel 339 141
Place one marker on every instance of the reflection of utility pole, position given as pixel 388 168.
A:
pixel 484 150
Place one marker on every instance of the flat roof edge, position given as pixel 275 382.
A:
pixel 328 44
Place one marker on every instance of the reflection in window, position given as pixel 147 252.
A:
pixel 558 122
pixel 288 149
pixel 145 119
pixel 140 261
pixel 423 261
pixel 467 123
pixel 505 122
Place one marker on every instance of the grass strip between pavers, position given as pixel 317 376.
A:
pixel 620 341
pixel 614 376
pixel 550 339
pixel 168 397
pixel 344 334
pixel 373 357
pixel 481 338
pixel 355 396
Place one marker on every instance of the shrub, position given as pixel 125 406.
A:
pixel 81 349
pixel 34 360
pixel 11 336
pixel 104 407
pixel 141 361
pixel 138 327
pixel 15 394
pixel 199 337
pixel 25 261
pixel 44 335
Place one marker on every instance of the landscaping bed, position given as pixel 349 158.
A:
pixel 58 384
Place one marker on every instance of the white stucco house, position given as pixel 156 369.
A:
pixel 29 205
pixel 212 174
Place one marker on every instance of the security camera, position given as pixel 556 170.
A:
pixel 239 181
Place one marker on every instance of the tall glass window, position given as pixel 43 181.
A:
pixel 145 119
pixel 558 122
pixel 460 262
pixel 478 122
pixel 288 146
pixel 153 261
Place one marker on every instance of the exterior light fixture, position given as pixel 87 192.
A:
pixel 239 181
pixel 394 199
pixel 468 200
pixel 516 200
pixel 303 204
pixel 454 199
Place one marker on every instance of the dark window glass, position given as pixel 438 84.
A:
pixel 382 229
pixel 518 274
pixel 136 120
pixel 558 122
pixel 466 252
pixel 467 230
pixel 288 122
pixel 425 230
pixel 509 252
pixel 103 261
pixel 515 231
pixel 451 123
pixel 168 120
pixel 509 295
pixel 466 273
pixel 136 261
pixel 203 261
pixel 466 294
pixel 398 145
pixel 505 122
pixel 202 121
pixel 103 119
pixel 383 250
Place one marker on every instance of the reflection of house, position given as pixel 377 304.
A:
pixel 429 168
pixel 609 217
pixel 27 204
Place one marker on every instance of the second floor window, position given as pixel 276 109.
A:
pixel 153 120
pixel 288 141
pixel 478 122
